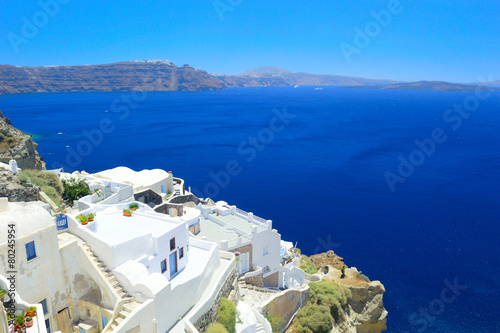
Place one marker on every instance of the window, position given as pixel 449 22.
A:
pixel 266 250
pixel 30 250
pixel 163 266
pixel 47 325
pixel 172 244
pixel 44 306
pixel 181 252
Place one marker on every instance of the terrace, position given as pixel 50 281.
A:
pixel 230 227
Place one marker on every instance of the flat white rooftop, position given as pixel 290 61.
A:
pixel 197 260
pixel 227 227
pixel 114 228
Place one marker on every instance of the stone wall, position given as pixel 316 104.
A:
pixel 229 290
pixel 257 280
pixel 287 304
pixel 148 196
pixel 165 208
pixel 14 190
pixel 272 280
pixel 182 199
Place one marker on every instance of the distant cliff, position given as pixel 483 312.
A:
pixel 154 75
pixel 126 76
pixel 17 145
pixel 430 86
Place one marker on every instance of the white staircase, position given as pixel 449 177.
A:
pixel 129 303
pixel 260 328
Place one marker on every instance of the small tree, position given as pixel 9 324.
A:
pixel 75 188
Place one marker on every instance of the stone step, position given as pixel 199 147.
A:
pixel 111 278
pixel 123 314
pixel 126 310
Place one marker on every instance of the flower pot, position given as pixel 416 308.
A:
pixel 85 223
pixel 134 209
pixel 29 323
pixel 127 214
pixel 91 220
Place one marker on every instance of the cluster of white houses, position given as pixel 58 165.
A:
pixel 161 269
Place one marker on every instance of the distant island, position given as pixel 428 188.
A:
pixel 155 75
pixel 428 85
pixel 163 75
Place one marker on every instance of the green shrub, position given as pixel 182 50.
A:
pixel 216 328
pixel 307 266
pixel 75 188
pixel 314 319
pixel 9 135
pixel 11 140
pixel 226 315
pixel 331 295
pixel 275 321
pixel 2 137
pixel 23 177
pixel 47 181
pixel 40 178
pixel 52 194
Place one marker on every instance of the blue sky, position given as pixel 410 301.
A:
pixel 425 40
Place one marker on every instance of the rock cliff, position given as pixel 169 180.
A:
pixel 17 145
pixel 15 190
pixel 366 312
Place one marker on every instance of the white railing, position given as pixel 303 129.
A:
pixel 255 272
pixel 242 212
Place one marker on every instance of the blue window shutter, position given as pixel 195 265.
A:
pixel 30 250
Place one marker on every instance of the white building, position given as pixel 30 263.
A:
pixel 253 240
pixel 51 270
pixel 159 181
pixel 117 273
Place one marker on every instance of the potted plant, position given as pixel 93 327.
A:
pixel 29 321
pixel 90 217
pixel 31 312
pixel 133 206
pixel 19 322
pixel 83 219
pixel 127 212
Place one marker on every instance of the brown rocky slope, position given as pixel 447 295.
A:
pixel 17 145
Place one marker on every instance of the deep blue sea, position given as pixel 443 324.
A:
pixel 316 163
